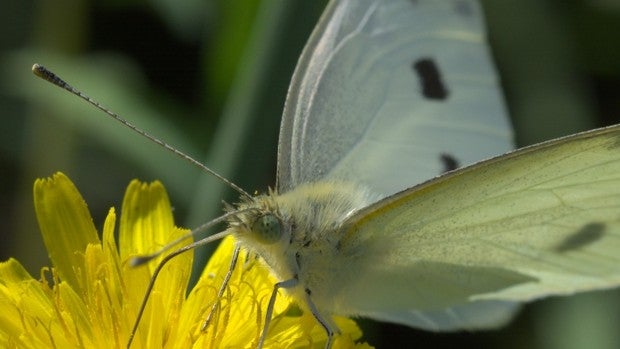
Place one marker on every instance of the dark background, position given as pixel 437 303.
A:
pixel 210 77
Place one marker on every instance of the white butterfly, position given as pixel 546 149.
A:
pixel 380 102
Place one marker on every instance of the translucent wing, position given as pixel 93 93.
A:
pixel 391 93
pixel 542 221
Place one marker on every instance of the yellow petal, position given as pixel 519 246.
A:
pixel 146 219
pixel 146 224
pixel 66 225
pixel 305 332
pixel 28 311
pixel 13 278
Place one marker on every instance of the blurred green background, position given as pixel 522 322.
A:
pixel 210 77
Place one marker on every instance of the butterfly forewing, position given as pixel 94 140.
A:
pixel 391 93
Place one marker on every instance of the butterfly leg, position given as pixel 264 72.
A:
pixel 220 293
pixel 327 324
pixel 272 301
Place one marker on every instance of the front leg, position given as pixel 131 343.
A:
pixel 290 283
pixel 326 322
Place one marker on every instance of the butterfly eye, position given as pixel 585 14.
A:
pixel 267 229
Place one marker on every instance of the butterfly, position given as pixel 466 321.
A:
pixel 386 95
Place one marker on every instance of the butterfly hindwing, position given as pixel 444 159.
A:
pixel 542 221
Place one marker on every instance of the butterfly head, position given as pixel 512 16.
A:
pixel 259 221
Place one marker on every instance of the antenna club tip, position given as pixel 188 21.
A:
pixel 45 74
pixel 139 260
pixel 38 69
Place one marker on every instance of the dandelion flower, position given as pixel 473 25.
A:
pixel 90 297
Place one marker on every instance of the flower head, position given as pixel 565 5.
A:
pixel 91 296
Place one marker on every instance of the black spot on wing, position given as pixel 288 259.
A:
pixel 430 79
pixel 449 162
pixel 588 234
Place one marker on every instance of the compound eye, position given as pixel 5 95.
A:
pixel 267 228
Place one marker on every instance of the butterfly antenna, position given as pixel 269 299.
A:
pixel 51 77
pixel 143 259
